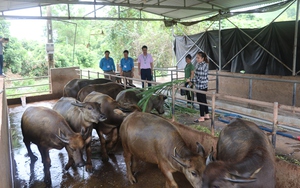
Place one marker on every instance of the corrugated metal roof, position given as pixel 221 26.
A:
pixel 179 10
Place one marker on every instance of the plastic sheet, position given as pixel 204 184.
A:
pixel 277 38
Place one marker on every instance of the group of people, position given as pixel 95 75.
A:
pixel 145 65
pixel 196 77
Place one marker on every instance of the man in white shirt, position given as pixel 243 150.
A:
pixel 145 66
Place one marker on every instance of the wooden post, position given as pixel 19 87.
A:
pixel 275 123
pixel 213 107
pixel 125 82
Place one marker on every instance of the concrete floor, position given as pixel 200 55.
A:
pixel 105 175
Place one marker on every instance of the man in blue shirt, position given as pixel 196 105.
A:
pixel 107 65
pixel 127 66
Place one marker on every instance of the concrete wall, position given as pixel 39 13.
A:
pixel 60 77
pixel 5 146
pixel 268 91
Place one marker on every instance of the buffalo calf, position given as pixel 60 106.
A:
pixel 49 130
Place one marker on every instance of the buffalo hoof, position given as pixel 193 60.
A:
pixel 131 179
pixel 47 181
pixel 105 158
pixel 89 168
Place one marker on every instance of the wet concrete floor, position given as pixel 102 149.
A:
pixel 105 174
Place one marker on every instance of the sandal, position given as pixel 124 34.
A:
pixel 197 120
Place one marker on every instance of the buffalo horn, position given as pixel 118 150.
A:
pixel 239 179
pixel 77 103
pixel 200 149
pixel 61 138
pixel 210 158
pixel 177 158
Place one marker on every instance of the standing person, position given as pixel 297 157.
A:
pixel 107 64
pixel 127 66
pixel 2 41
pixel 189 75
pixel 201 83
pixel 145 66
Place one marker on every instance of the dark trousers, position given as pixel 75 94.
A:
pixel 1 64
pixel 146 75
pixel 189 94
pixel 202 98
pixel 129 75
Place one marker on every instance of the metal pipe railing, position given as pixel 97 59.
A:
pixel 18 93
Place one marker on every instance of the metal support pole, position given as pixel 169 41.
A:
pixel 50 39
pixel 220 48
pixel 294 94
pixel 250 89
pixel 74 41
pixel 88 74
pixel 173 47
pixel 296 39
pixel 275 123
pixel 213 107
pixel 173 102
pixel 217 81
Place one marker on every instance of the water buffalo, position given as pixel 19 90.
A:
pixel 134 96
pixel 111 89
pixel 72 88
pixel 245 159
pixel 80 117
pixel 114 115
pixel 49 130
pixel 153 139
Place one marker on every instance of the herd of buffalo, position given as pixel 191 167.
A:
pixel 244 156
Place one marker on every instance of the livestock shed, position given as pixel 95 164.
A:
pixel 271 60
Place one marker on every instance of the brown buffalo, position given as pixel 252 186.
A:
pixel 155 140
pixel 81 117
pixel 114 115
pixel 134 96
pixel 245 159
pixel 72 88
pixel 111 89
pixel 48 130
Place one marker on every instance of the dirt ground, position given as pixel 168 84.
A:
pixel 111 173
